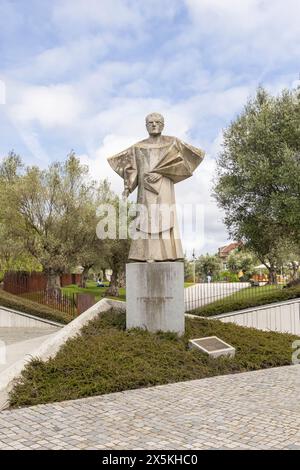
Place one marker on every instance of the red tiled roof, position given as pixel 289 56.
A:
pixel 224 250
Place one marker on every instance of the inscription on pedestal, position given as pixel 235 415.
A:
pixel 155 296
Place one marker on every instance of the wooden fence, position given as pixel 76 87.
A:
pixel 23 282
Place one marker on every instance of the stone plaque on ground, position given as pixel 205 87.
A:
pixel 213 346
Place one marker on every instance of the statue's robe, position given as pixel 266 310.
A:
pixel 173 160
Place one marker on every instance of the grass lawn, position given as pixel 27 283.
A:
pixel 99 292
pixel 27 304
pixel 189 284
pixel 106 358
pixel 33 308
pixel 91 288
pixel 248 297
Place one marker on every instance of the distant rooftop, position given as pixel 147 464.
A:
pixel 225 250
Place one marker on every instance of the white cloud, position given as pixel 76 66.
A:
pixel 197 190
pixel 49 106
pixel 97 159
pixel 2 92
pixel 246 16
pixel 34 145
pixel 10 18
pixel 73 58
pixel 249 30
pixel 82 14
pixel 231 15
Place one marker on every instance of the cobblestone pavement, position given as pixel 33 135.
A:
pixel 253 410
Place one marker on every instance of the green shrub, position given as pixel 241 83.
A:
pixel 245 278
pixel 33 308
pixel 226 276
pixel 239 302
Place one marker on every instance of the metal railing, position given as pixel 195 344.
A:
pixel 57 300
pixel 72 303
pixel 202 294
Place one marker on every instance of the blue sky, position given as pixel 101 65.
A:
pixel 83 74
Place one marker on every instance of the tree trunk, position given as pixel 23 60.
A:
pixel 113 289
pixel 84 276
pixel 122 279
pixel 104 278
pixel 272 275
pixel 295 271
pixel 53 282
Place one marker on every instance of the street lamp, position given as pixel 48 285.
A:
pixel 194 265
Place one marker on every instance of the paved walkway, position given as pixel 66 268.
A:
pixel 17 342
pixel 203 293
pixel 254 410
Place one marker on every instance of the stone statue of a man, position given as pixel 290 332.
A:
pixel 154 165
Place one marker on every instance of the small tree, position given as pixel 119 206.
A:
pixel 241 261
pixel 188 268
pixel 208 265
pixel 13 257
pixel 116 249
pixel 116 257
pixel 92 251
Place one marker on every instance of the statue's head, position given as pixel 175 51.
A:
pixel 155 123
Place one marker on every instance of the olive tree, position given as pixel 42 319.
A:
pixel 51 212
pixel 258 175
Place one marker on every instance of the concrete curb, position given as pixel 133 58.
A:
pixel 190 315
pixel 280 317
pixel 119 304
pixel 246 310
pixel 255 309
pixel 52 345
pixel 30 320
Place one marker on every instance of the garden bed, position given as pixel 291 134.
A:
pixel 106 358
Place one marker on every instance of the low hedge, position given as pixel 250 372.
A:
pixel 231 305
pixel 33 308
pixel 106 358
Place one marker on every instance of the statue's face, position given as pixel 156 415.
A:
pixel 154 125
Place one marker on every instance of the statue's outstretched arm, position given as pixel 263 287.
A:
pixel 179 161
pixel 124 163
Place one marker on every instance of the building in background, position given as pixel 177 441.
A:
pixel 225 251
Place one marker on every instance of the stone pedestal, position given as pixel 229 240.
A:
pixel 155 296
